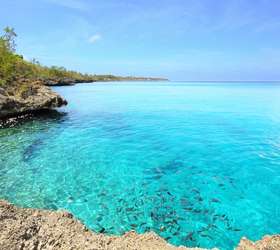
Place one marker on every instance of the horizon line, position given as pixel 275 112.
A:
pixel 225 81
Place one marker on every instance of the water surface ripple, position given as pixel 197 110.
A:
pixel 197 163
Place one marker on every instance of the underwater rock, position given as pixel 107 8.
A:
pixel 29 151
pixel 166 169
pixel 214 200
pixel 27 229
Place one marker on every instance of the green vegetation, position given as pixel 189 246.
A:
pixel 14 67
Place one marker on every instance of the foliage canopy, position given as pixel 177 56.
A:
pixel 13 66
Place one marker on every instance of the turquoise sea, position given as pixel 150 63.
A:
pixel 198 163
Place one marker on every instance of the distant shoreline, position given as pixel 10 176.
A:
pixel 228 81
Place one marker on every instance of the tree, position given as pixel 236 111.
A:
pixel 35 61
pixel 14 66
pixel 9 38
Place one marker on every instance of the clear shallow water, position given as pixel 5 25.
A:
pixel 197 163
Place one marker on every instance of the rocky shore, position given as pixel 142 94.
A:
pixel 64 81
pixel 98 78
pixel 28 229
pixel 22 228
pixel 27 97
pixel 266 243
pixel 25 228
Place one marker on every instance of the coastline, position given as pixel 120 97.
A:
pixel 71 82
pixel 28 228
pixel 27 96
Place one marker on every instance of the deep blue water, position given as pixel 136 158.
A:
pixel 198 163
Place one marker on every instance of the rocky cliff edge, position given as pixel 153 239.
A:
pixel 28 98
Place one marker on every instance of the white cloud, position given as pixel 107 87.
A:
pixel 94 38
pixel 72 4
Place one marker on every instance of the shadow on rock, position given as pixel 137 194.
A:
pixel 42 115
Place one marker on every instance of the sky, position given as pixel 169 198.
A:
pixel 191 40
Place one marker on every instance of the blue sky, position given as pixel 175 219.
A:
pixel 178 39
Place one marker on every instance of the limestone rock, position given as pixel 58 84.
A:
pixel 30 229
pixel 64 81
pixel 30 99
pixel 266 243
